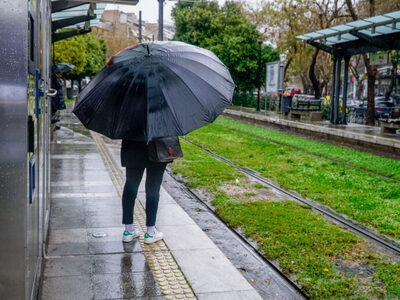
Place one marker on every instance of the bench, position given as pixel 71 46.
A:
pixel 306 109
pixel 392 123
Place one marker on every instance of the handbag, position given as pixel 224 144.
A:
pixel 164 149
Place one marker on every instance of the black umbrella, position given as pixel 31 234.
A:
pixel 61 68
pixel 155 90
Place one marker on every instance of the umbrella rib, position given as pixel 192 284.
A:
pixel 100 103
pixel 202 79
pixel 200 53
pixel 191 60
pixel 129 87
pixel 201 104
pixel 169 106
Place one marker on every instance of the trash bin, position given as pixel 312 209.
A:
pixel 286 103
pixel 69 93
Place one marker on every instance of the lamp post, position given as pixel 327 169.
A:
pixel 259 74
pixel 160 20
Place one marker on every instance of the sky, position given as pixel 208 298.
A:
pixel 149 9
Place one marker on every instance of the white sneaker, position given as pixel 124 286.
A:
pixel 129 236
pixel 148 239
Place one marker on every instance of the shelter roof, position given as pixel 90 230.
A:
pixel 360 36
pixel 78 14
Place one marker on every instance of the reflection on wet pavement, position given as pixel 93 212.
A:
pixel 84 204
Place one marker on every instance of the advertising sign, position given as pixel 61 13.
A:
pixel 274 77
pixel 271 82
pixel 377 59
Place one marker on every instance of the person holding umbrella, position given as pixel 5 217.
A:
pixel 148 95
pixel 57 101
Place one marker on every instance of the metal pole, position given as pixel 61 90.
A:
pixel 395 72
pixel 160 19
pixel 332 99
pixel 345 80
pixel 259 75
pixel 337 91
pixel 140 26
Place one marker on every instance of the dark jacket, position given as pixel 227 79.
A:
pixel 134 154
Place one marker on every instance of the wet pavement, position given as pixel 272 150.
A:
pixel 85 257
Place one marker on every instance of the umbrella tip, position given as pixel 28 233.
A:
pixel 148 50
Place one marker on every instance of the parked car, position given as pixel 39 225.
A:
pixel 354 103
pixel 382 99
pixel 383 108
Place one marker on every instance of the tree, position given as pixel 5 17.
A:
pixel 229 34
pixel 285 19
pixel 364 9
pixel 86 52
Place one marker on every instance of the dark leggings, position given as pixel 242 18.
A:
pixel 154 176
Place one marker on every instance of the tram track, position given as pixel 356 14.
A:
pixel 311 153
pixel 118 180
pixel 350 225
pixel 240 237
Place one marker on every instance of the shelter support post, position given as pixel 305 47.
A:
pixel 345 85
pixel 336 100
pixel 140 26
pixel 333 87
pixel 160 20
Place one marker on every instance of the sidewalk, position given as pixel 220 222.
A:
pixel 351 133
pixel 85 256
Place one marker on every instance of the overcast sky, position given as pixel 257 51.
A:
pixel 149 9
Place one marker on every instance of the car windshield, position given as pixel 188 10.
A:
pixel 387 104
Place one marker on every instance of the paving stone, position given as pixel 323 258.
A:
pixel 119 263
pixel 172 214
pixel 237 295
pixel 68 249
pixel 68 266
pixel 76 235
pixel 125 285
pixel 175 241
pixel 114 247
pixel 208 270
pixel 66 287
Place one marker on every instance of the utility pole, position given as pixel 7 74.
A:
pixel 259 75
pixel 160 19
pixel 140 26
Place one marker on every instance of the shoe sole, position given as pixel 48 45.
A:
pixel 154 241
pixel 133 237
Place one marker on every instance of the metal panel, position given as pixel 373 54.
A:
pixel 13 147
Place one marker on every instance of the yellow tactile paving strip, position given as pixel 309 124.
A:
pixel 165 270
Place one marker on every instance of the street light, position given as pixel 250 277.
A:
pixel 259 73
pixel 161 16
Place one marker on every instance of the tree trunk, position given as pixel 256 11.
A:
pixel 370 117
pixel 359 90
pixel 80 85
pixel 288 62
pixel 390 89
pixel 314 80
pixel 371 72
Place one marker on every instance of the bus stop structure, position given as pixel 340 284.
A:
pixel 379 33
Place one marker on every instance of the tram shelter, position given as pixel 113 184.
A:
pixel 379 33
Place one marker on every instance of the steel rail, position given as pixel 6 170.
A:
pixel 383 242
pixel 242 239
pixel 383 175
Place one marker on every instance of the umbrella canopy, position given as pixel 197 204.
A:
pixel 61 68
pixel 155 90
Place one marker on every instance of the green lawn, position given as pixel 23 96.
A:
pixel 305 245
pixel 389 167
pixel 367 198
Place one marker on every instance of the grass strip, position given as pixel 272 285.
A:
pixel 368 161
pixel 367 198
pixel 322 258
